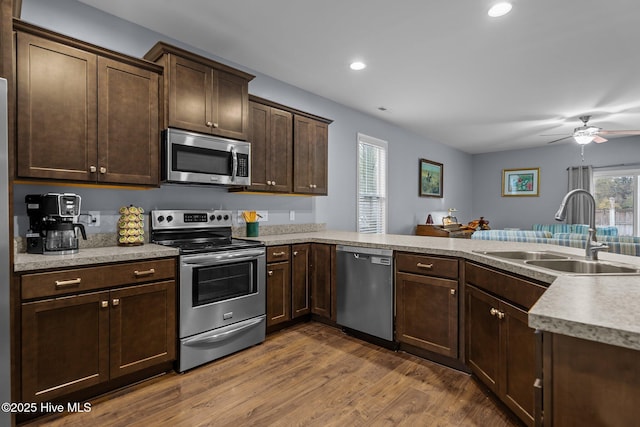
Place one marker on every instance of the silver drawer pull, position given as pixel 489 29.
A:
pixel 427 266
pixel 115 302
pixel 144 273
pixel 68 283
pixel 270 272
pixel 279 253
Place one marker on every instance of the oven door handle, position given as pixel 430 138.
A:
pixel 214 336
pixel 208 261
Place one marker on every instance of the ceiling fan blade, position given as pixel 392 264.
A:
pixel 553 134
pixel 599 139
pixel 561 139
pixel 619 132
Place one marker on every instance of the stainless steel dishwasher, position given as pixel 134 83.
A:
pixel 365 290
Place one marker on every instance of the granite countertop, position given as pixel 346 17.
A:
pixel 27 262
pixel 600 308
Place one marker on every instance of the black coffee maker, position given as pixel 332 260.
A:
pixel 52 226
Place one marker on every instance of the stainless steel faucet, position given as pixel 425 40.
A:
pixel 593 246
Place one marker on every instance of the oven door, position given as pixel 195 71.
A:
pixel 221 288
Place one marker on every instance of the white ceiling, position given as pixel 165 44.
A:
pixel 442 68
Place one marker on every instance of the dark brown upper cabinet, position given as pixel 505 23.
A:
pixel 289 149
pixel 84 113
pixel 202 95
pixel 271 137
pixel 310 150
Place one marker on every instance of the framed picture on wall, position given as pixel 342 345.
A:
pixel 521 182
pixel 431 174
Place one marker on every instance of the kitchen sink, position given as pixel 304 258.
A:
pixel 577 266
pixel 525 255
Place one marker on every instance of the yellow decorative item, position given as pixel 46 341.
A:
pixel 131 226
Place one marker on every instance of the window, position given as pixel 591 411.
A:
pixel 617 196
pixel 372 185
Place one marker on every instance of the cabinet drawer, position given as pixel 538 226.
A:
pixel 278 253
pixel 139 272
pixel 53 283
pixel 427 265
pixel 511 288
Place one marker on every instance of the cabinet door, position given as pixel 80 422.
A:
pixel 190 95
pixel 143 326
pixel 518 350
pixel 56 102
pixel 483 336
pixel 300 280
pixel 271 137
pixel 260 139
pixel 278 293
pixel 322 269
pixel 427 313
pixel 230 111
pixel 280 156
pixel 127 124
pixel 65 345
pixel 310 156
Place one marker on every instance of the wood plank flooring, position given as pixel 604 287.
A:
pixel 308 375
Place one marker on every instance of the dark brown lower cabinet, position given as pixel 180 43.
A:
pixel 500 346
pixel 588 383
pixel 73 342
pixel 278 292
pixel 501 350
pixel 427 313
pixel 300 280
pixel 322 280
pixel 65 345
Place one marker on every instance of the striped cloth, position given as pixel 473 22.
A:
pixel 605 230
pixel 513 235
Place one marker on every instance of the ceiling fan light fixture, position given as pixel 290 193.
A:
pixel 499 9
pixel 584 139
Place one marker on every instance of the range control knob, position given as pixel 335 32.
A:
pixel 212 218
pixel 169 218
pixel 160 218
pixel 226 217
pixel 219 217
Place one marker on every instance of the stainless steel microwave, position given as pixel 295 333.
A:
pixel 195 158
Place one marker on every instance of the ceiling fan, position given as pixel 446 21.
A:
pixel 586 134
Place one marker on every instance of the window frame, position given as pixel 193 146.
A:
pixel 617 172
pixel 384 146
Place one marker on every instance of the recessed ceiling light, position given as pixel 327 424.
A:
pixel 357 66
pixel 499 9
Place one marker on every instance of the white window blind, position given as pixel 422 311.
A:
pixel 372 185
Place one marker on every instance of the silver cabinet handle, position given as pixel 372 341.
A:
pixel 453 291
pixel 209 124
pixel 67 283
pixel 104 304
pixel 103 169
pixel 115 302
pixel 215 125
pixel 295 253
pixel 93 169
pixel 278 253
pixel 270 273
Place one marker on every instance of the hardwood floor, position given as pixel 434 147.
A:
pixel 308 375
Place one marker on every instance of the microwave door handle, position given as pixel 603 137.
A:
pixel 234 164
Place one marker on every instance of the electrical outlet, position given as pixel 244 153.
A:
pixel 94 218
pixel 292 215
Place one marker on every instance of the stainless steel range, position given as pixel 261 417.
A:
pixel 222 284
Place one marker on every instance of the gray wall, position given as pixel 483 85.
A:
pixel 338 210
pixel 553 160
